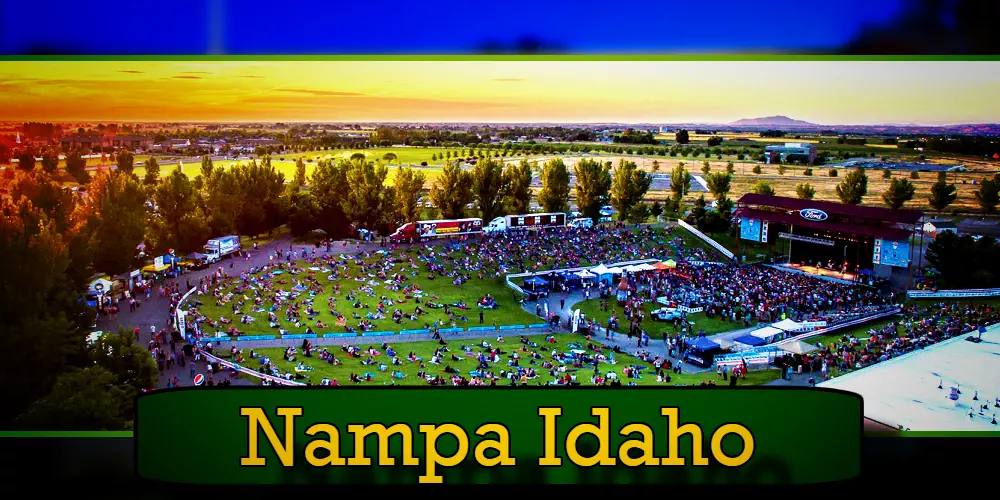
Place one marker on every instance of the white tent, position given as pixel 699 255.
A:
pixel 787 325
pixel 766 332
pixel 797 347
pixel 602 270
pixel 585 274
pixel 645 267
pixel 632 269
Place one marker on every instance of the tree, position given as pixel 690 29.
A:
pixel 805 191
pixel 358 157
pixel 118 217
pixel 408 186
pixel 152 172
pixel 82 399
pixel 365 190
pixel 639 213
pixel 554 196
pixel 886 173
pixel 680 184
pixel 762 187
pixel 988 194
pixel 854 187
pixel 300 173
pixel 719 184
pixel 781 169
pixel 807 172
pixel 489 188
pixel 47 195
pixel 593 185
pixel 328 186
pixel 50 161
pixel 628 188
pixel 730 168
pixel 207 167
pixel 942 193
pixel 452 191
pixel 656 165
pixel 833 172
pixel 656 210
pixel 682 137
pixel 899 192
pixel 390 157
pixel 756 169
pixel 26 161
pixel 181 223
pixel 43 320
pixel 914 174
pixel 706 167
pixel 129 362
pixel 518 181
pixel 303 213
pixel 262 183
pixel 76 166
pixel 126 162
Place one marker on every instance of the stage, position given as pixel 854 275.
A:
pixel 819 272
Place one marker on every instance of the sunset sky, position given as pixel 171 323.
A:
pixel 835 93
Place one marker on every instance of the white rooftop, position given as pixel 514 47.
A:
pixel 904 391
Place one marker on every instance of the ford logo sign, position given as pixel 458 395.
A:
pixel 813 214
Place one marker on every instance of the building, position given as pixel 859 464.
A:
pixel 91 141
pixel 934 228
pixel 827 238
pixel 791 151
pixel 942 387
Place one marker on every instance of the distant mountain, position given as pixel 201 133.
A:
pixel 772 121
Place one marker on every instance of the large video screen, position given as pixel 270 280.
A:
pixel 892 253
pixel 749 229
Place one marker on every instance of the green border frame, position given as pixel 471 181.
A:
pixel 508 57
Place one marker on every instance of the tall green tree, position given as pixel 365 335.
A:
pixel 118 217
pixel 152 172
pixel 593 186
pixel 489 188
pixel 762 187
pixel 854 187
pixel 328 186
pixel 50 160
pixel 719 184
pixel 46 195
pixel 518 181
pixel 76 166
pixel 628 187
pixel 409 185
pixel 207 167
pixel 26 161
pixel 178 221
pixel 706 167
pixel 898 193
pixel 680 185
pixel 81 399
pixel 942 193
pixel 452 191
pixel 805 191
pixel 264 184
pixel 125 161
pixel 682 137
pixel 303 213
pixel 988 194
pixel 554 196
pixel 300 173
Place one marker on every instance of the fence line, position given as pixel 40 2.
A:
pixel 953 294
pixel 704 237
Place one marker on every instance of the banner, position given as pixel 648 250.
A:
pixel 535 435
pixel 754 358
pixel 953 294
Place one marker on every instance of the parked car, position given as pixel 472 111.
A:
pixel 666 314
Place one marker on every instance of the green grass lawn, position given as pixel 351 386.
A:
pixel 655 329
pixel 439 290
pixel 341 373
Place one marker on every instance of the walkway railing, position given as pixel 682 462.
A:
pixel 953 294
pixel 704 237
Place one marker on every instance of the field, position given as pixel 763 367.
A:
pixel 562 343
pixel 367 288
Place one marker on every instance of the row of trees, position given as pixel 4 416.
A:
pixel 49 239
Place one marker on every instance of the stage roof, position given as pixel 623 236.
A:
pixel 904 391
pixel 865 212
pixel 883 231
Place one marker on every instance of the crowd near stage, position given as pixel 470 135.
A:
pixel 830 240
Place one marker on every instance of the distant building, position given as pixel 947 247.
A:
pixel 91 141
pixel 791 150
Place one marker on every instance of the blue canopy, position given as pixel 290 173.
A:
pixel 750 340
pixel 704 344
pixel 170 259
pixel 535 281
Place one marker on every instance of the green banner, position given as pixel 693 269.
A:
pixel 529 435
